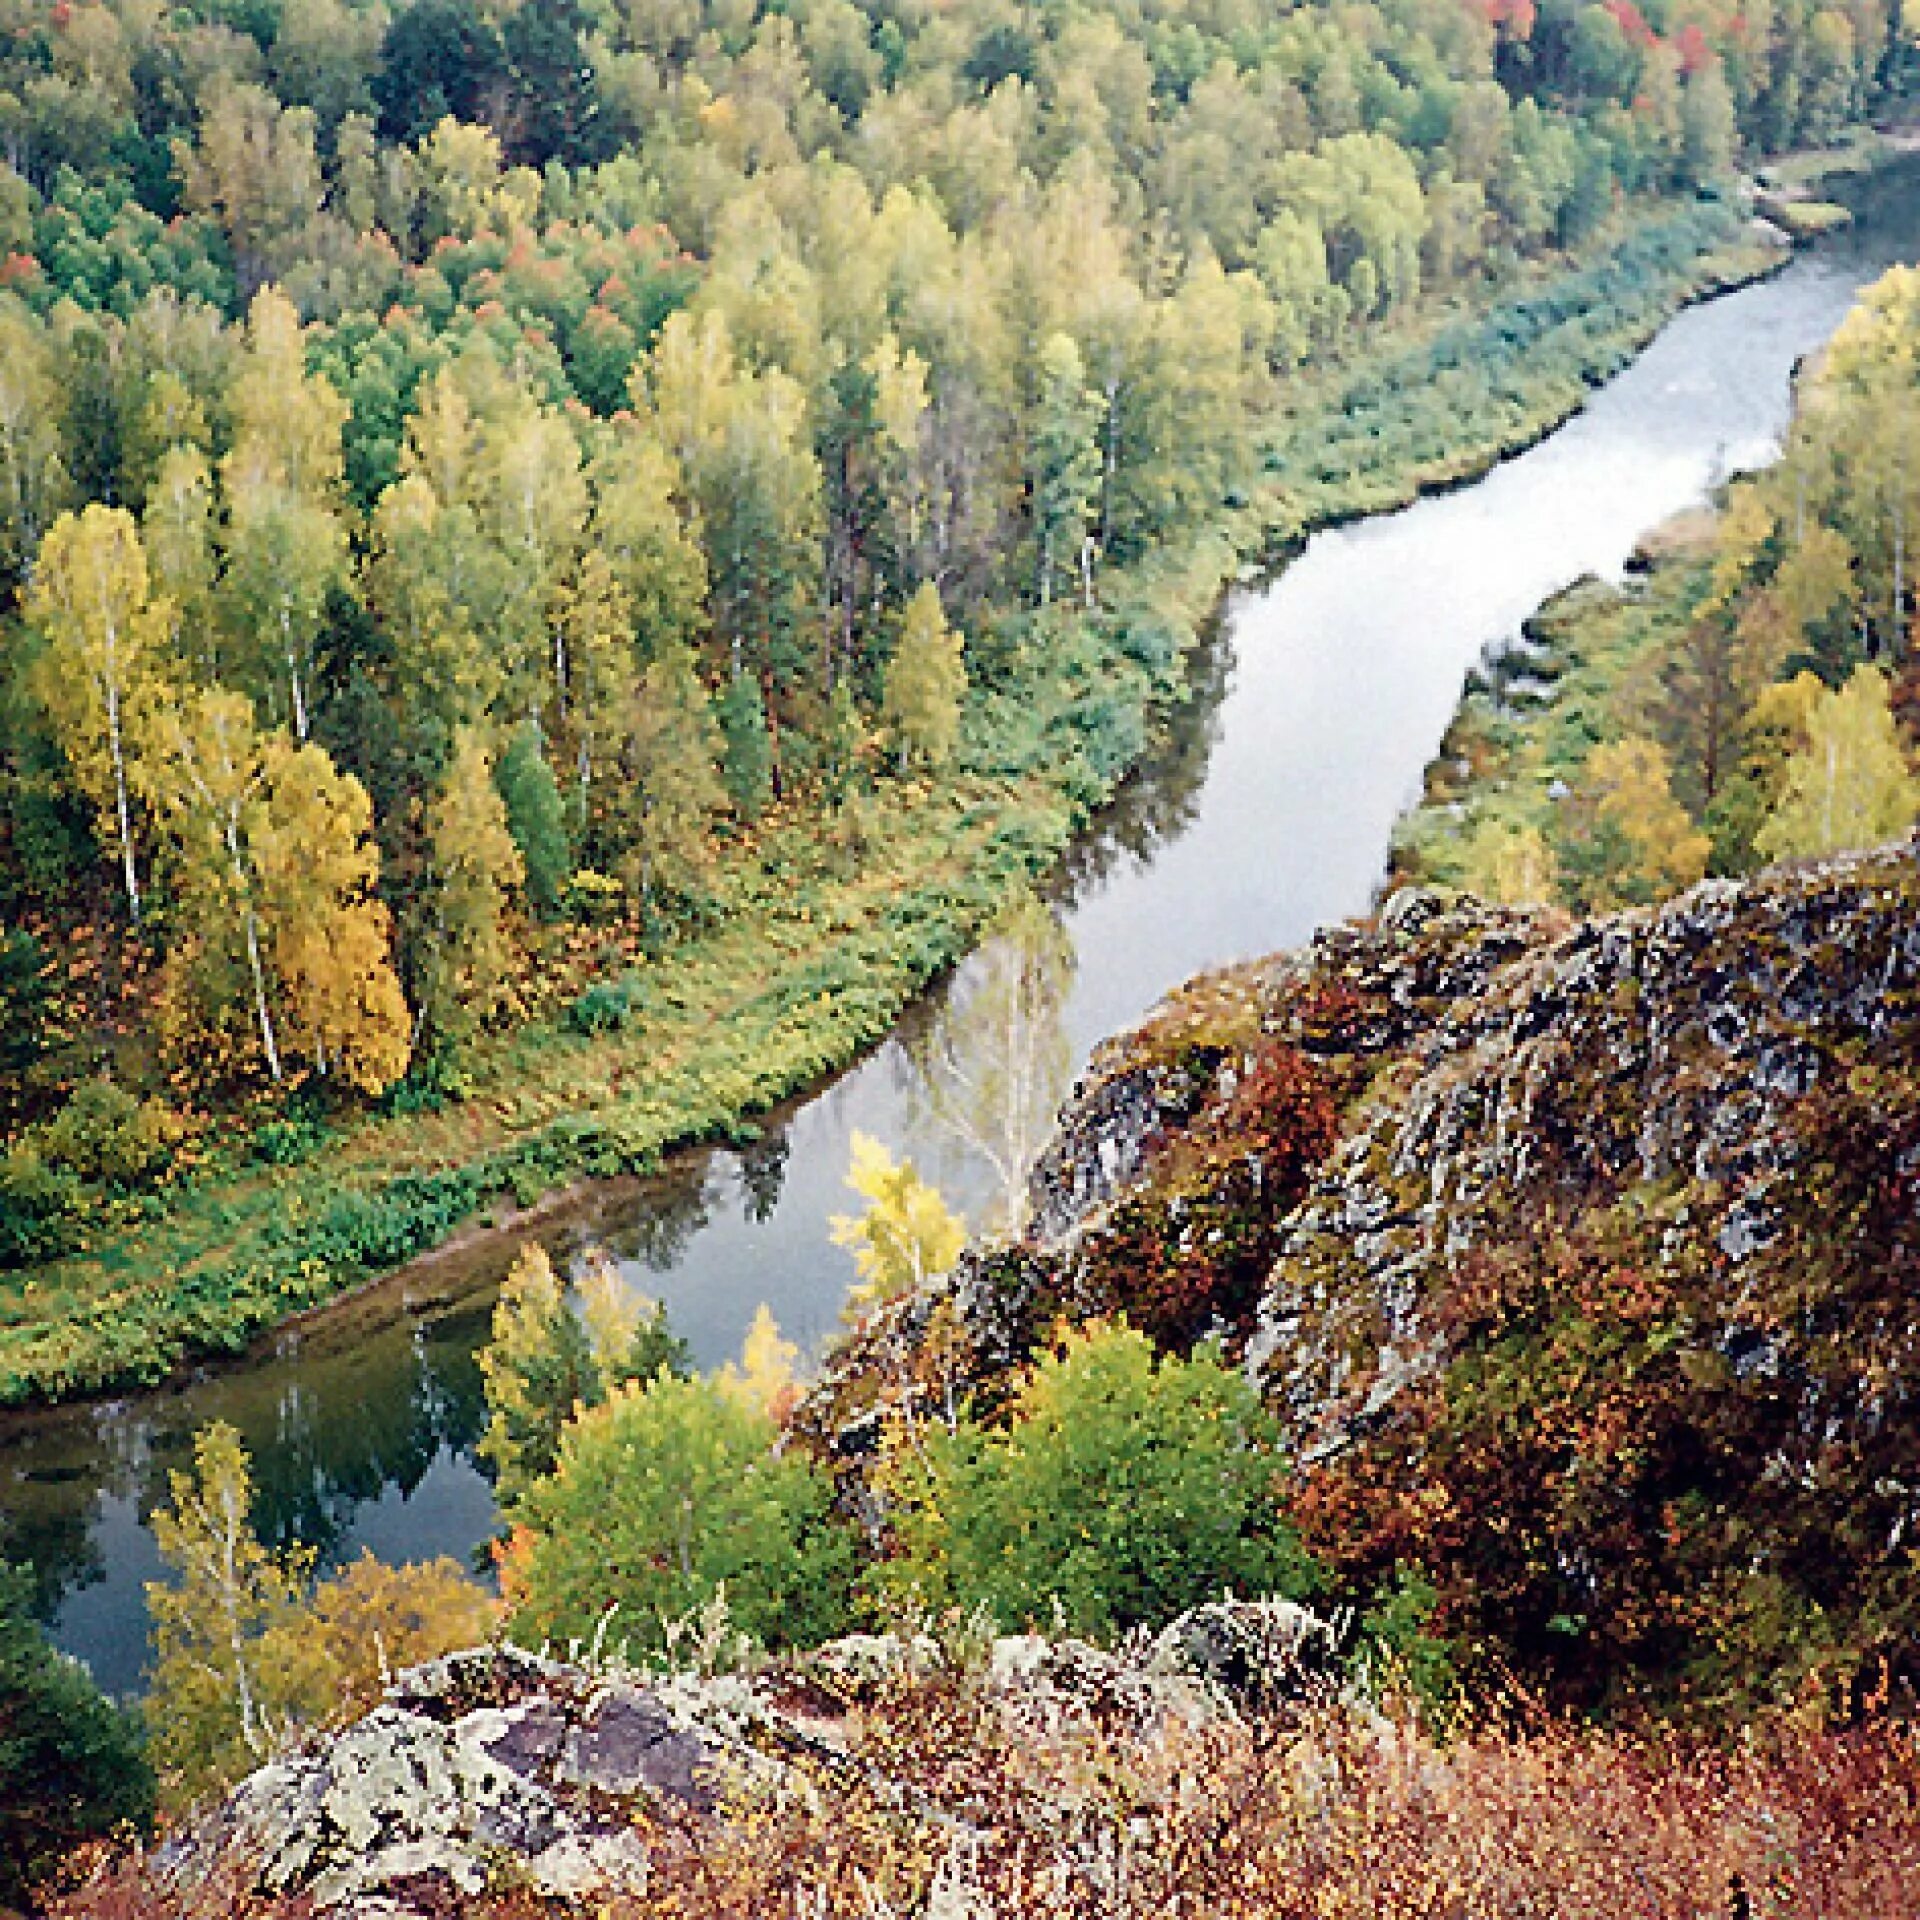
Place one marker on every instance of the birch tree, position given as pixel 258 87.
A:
pixel 105 637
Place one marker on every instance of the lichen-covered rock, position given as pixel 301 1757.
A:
pixel 480 1765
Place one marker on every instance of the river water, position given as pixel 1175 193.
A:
pixel 1316 707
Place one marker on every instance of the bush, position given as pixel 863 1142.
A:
pixel 664 1496
pixel 1126 1489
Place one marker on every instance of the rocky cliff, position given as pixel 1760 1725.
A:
pixel 1583 1262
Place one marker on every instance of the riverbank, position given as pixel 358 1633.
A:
pixel 838 937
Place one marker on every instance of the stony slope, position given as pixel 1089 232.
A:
pixel 1583 1261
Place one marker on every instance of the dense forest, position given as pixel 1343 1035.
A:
pixel 491 492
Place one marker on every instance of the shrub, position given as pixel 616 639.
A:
pixel 668 1493
pixel 1126 1488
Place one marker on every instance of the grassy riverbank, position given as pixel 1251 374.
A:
pixel 832 932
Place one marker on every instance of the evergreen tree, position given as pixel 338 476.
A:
pixel 537 819
pixel 71 1765
pixel 746 748
pixel 926 681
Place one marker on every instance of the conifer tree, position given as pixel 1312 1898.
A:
pixel 537 819
pixel 926 682
pixel 746 747
pixel 537 1367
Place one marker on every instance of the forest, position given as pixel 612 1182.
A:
pixel 1752 695
pixel 508 511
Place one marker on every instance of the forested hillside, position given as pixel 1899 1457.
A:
pixel 493 495
pixel 1753 695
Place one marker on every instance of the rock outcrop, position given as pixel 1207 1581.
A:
pixel 497 1769
pixel 1648 1183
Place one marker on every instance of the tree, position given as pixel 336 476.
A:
pixel 104 636
pixel 475 866
pixel 71 1765
pixel 205 772
pixel 544 1362
pixel 329 935
pixel 537 818
pixel 673 790
pixel 249 1652
pixel 537 1368
pixel 1511 865
pixel 370 1621
pixel 664 1497
pixel 1064 464
pixel 222 1694
pixel 763 1380
pixel 907 1234
pixel 1125 1488
pixel 439 58
pixel 926 681
pixel 994 1066
pixel 746 746
pixel 1623 839
pixel 1850 785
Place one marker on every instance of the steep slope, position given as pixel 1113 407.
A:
pixel 1583 1262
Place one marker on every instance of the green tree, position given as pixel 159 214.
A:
pixel 746 746
pixel 1064 465
pixel 537 1367
pixel 537 819
pixel 544 1362
pixel 1851 784
pixel 926 682
pixel 664 1496
pixel 907 1233
pixel 475 866
pixel 673 791
pixel 1125 1488
pixel 71 1764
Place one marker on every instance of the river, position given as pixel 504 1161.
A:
pixel 1316 706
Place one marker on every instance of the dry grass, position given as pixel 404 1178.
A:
pixel 956 1812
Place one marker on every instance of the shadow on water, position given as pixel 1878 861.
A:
pixel 1314 706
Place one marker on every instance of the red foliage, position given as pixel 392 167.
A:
pixel 1633 23
pixel 1691 45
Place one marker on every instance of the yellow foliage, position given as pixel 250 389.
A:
pixel 765 1380
pixel 907 1234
